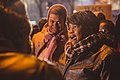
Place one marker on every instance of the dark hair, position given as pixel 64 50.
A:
pixel 86 19
pixel 101 16
pixel 17 6
pixel 8 3
pixel 16 29
pixel 117 27
pixel 42 22
pixel 109 25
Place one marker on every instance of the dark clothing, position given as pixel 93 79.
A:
pixel 98 66
pixel 15 65
pixel 99 62
pixel 43 39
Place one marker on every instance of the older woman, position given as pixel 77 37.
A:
pixel 87 55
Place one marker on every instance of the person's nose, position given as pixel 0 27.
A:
pixel 71 30
pixel 56 25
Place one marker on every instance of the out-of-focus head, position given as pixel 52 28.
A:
pixel 42 22
pixel 117 27
pixel 56 18
pixel 82 24
pixel 14 27
pixel 107 26
pixel 101 16
pixel 15 5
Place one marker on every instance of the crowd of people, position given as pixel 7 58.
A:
pixel 81 46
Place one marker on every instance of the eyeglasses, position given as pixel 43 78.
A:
pixel 74 27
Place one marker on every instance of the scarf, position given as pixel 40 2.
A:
pixel 85 44
pixel 52 45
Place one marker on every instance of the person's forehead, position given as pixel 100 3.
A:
pixel 70 24
pixel 55 17
pixel 102 24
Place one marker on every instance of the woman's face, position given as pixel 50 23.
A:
pixel 103 27
pixel 55 23
pixel 74 33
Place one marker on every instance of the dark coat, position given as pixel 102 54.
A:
pixel 96 61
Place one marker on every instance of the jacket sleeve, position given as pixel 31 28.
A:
pixel 111 67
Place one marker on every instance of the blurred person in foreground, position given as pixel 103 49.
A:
pixel 15 64
pixel 87 55
pixel 17 7
pixel 117 32
pixel 49 43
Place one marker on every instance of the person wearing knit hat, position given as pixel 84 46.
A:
pixel 16 63
pixel 49 43
pixel 58 9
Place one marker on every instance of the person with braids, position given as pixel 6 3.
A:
pixel 88 57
